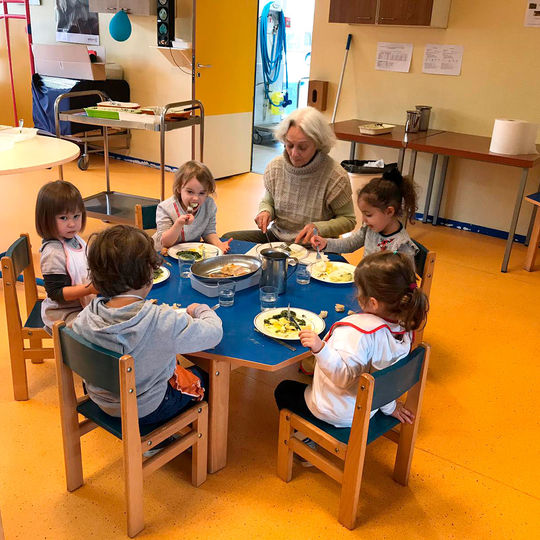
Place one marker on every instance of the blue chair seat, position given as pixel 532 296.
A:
pixel 110 423
pixel 34 319
pixel 378 425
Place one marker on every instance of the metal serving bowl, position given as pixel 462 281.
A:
pixel 202 269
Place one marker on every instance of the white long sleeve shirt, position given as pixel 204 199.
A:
pixel 356 344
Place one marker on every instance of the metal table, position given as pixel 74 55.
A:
pixel 112 205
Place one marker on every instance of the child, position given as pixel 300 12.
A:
pixel 122 261
pixel 190 213
pixel 60 217
pixel 393 307
pixel 381 202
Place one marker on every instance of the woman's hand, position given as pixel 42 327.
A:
pixel 318 242
pixel 304 236
pixel 309 339
pixel 185 219
pixel 262 219
pixel 402 414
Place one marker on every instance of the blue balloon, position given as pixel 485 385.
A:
pixel 120 26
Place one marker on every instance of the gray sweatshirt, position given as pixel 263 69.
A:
pixel 203 224
pixel 153 335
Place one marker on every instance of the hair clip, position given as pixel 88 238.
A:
pixel 413 286
pixel 395 252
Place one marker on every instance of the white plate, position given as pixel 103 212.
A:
pixel 329 271
pixel 296 250
pixel 164 275
pixel 17 135
pixel 317 324
pixel 209 250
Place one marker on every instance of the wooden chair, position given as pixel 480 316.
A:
pixel 535 233
pixel 145 216
pixel 18 260
pixel 349 444
pixel 116 374
pixel 425 265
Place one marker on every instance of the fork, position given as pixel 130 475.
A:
pixel 316 232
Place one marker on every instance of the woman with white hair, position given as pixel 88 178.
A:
pixel 305 188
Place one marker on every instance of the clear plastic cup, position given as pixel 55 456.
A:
pixel 268 296
pixel 226 290
pixel 184 268
pixel 303 275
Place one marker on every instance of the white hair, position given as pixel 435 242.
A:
pixel 312 123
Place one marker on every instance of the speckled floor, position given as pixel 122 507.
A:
pixel 475 472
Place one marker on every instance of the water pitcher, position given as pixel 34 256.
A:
pixel 275 265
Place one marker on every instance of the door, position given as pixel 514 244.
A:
pixel 224 69
pixel 405 12
pixel 353 11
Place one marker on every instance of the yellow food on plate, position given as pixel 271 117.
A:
pixel 280 326
pixel 230 270
pixel 329 271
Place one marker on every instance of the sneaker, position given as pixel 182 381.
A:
pixel 159 447
pixel 312 444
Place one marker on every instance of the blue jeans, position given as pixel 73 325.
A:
pixel 174 402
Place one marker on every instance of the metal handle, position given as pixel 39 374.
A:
pixel 387 18
pixel 204 65
pixel 363 18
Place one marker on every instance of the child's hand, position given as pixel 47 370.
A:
pixel 402 414
pixel 224 246
pixel 185 219
pixel 309 339
pixel 262 219
pixel 318 242
pixel 190 310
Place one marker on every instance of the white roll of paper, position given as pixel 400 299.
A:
pixel 513 137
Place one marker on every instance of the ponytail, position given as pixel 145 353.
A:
pixel 390 278
pixel 392 189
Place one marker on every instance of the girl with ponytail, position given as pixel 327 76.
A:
pixel 382 202
pixel 393 308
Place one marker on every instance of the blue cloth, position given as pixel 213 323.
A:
pixel 240 340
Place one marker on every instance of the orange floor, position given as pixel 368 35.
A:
pixel 475 473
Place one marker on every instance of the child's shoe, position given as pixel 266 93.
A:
pixel 159 447
pixel 306 440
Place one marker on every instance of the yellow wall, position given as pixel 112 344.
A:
pixel 500 78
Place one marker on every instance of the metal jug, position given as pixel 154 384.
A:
pixel 413 121
pixel 425 111
pixel 275 264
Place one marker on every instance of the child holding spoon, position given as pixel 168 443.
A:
pixel 190 214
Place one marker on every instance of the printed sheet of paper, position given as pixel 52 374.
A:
pixel 394 56
pixel 443 59
pixel 532 14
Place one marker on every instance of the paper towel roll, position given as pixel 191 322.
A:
pixel 513 137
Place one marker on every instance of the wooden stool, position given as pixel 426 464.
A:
pixel 535 235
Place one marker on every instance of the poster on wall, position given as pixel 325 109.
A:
pixel 394 56
pixel 443 59
pixel 75 23
pixel 532 14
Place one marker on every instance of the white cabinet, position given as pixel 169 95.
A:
pixel 133 7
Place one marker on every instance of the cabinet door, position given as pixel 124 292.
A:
pixel 134 7
pixel 353 11
pixel 409 12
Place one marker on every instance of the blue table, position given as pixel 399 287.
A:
pixel 241 344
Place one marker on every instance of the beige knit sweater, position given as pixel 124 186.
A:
pixel 319 193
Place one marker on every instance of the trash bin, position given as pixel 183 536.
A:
pixel 360 175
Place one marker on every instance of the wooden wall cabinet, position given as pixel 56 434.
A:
pixel 133 7
pixel 430 13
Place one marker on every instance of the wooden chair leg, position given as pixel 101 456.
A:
pixel 285 454
pixel 72 452
pixel 36 343
pixel 402 467
pixel 533 244
pixel 18 372
pixel 133 477
pixel 199 460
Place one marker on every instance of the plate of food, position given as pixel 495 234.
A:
pixel 294 250
pixel 333 272
pixel 283 324
pixel 194 251
pixel 161 275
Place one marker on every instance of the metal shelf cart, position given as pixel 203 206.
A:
pixel 112 205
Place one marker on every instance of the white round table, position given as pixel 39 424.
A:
pixel 37 153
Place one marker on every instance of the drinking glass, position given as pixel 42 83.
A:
pixel 226 290
pixel 185 268
pixel 268 296
pixel 303 275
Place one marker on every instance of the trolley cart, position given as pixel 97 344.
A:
pixel 119 207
